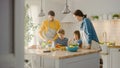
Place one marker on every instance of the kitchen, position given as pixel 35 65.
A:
pixel 104 15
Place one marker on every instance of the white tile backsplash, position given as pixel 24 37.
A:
pixel 111 28
pixel 70 28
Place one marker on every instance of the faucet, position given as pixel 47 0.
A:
pixel 105 37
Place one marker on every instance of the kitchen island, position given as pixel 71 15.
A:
pixel 83 58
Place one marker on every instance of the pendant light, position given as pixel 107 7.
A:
pixel 66 9
pixel 41 11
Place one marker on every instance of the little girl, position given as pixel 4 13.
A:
pixel 76 39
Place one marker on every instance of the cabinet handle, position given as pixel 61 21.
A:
pixel 40 61
pixel 119 50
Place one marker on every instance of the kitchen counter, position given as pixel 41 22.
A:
pixel 116 46
pixel 105 49
pixel 61 54
pixel 63 59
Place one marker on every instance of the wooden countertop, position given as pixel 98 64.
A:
pixel 61 54
pixel 116 46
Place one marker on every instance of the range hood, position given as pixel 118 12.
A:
pixel 69 18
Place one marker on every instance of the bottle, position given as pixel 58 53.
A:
pixel 53 44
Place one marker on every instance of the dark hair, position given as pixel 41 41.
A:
pixel 61 31
pixel 79 13
pixel 77 33
pixel 52 13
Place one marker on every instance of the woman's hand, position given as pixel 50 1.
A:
pixel 88 47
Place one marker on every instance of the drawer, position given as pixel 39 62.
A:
pixel 115 49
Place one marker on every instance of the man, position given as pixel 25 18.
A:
pixel 49 27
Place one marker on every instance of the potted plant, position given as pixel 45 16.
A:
pixel 95 17
pixel 115 16
pixel 29 27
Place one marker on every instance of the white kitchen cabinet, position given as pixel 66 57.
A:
pixel 86 61
pixel 81 62
pixel 105 58
pixel 64 59
pixel 37 61
pixel 47 62
pixel 33 61
pixel 105 54
pixel 114 57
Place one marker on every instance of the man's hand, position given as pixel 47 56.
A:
pixel 49 41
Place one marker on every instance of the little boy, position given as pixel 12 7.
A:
pixel 61 40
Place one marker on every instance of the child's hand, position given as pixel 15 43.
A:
pixel 70 41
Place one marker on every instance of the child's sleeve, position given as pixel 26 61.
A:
pixel 80 42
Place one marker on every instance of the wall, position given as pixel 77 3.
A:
pixel 97 7
pixel 70 28
pixel 112 29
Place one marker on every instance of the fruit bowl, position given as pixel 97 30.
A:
pixel 72 48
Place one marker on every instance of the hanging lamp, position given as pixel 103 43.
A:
pixel 41 11
pixel 66 9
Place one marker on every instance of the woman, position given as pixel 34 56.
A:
pixel 87 30
pixel 49 27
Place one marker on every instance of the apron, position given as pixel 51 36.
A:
pixel 94 44
pixel 84 38
pixel 50 34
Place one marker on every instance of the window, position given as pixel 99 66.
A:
pixel 32 23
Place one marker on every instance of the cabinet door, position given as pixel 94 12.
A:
pixel 115 58
pixel 36 61
pixel 48 62
pixel 105 61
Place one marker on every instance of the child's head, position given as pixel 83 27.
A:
pixel 76 35
pixel 61 33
